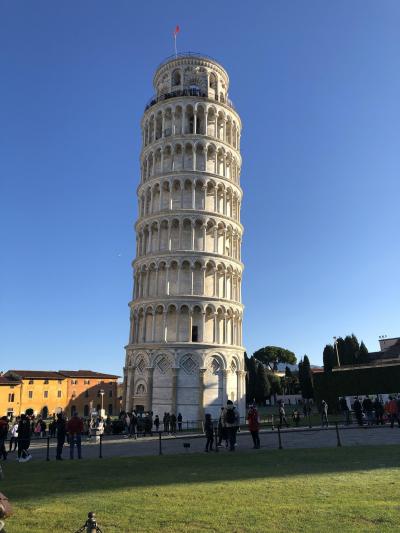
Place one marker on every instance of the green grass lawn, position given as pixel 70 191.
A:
pixel 334 490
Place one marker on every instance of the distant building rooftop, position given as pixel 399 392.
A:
pixel 87 374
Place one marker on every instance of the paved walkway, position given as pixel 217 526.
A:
pixel 117 446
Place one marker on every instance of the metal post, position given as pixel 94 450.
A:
pixel 279 438
pixel 159 444
pixel 216 439
pixel 48 449
pixel 337 435
pixel 101 447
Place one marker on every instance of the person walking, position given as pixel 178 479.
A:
pixel 393 412
pixel 324 414
pixel 231 421
pixel 61 430
pixel 157 423
pixel 357 408
pixel 14 436
pixel 378 407
pixel 24 439
pixel 344 409
pixel 209 432
pixel 75 429
pixel 166 420
pixel 368 408
pixel 222 433
pixel 180 418
pixel 282 415
pixel 3 436
pixel 173 423
pixel 133 425
pixel 253 421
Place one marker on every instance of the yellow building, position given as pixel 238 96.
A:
pixel 41 390
pixel 10 394
pixel 48 392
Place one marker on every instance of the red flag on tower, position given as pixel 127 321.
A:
pixel 176 31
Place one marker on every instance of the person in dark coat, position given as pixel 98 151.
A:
pixel 344 408
pixel 61 430
pixel 3 436
pixel 24 439
pixel 254 426
pixel 172 421
pixel 357 408
pixel 379 411
pixel 180 418
pixel 209 432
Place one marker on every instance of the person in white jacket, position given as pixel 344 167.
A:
pixel 14 436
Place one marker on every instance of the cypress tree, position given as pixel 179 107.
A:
pixel 262 388
pixel 329 358
pixel 307 388
pixel 363 356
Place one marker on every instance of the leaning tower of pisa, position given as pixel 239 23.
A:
pixel 185 352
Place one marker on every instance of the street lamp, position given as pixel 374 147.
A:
pixel 337 349
pixel 101 392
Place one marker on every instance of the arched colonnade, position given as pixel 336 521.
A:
pixel 188 234
pixel 196 156
pixel 197 119
pixel 186 323
pixel 183 193
pixel 186 278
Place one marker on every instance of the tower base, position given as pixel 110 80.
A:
pixel 191 380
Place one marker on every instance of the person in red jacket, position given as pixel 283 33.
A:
pixel 75 430
pixel 254 426
pixel 393 411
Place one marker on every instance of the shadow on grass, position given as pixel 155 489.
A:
pixel 36 480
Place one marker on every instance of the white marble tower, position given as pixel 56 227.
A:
pixel 185 350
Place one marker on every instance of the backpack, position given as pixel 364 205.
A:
pixel 230 416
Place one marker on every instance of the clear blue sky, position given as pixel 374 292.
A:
pixel 317 85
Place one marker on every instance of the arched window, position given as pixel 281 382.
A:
pixel 176 78
pixel 213 81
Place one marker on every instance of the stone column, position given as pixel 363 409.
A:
pixel 150 371
pixel 203 326
pixel 225 398
pixel 161 186
pixel 153 326
pixel 174 396
pixel 201 393
pixel 164 334
pixel 125 393
pixel 194 194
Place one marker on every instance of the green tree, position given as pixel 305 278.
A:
pixel 272 355
pixel 263 388
pixel 276 386
pixel 363 356
pixel 305 378
pixel 251 378
pixel 329 358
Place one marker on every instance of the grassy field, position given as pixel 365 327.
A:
pixel 333 490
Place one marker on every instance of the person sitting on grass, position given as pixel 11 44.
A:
pixel 209 432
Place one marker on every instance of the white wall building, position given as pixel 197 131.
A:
pixel 185 350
